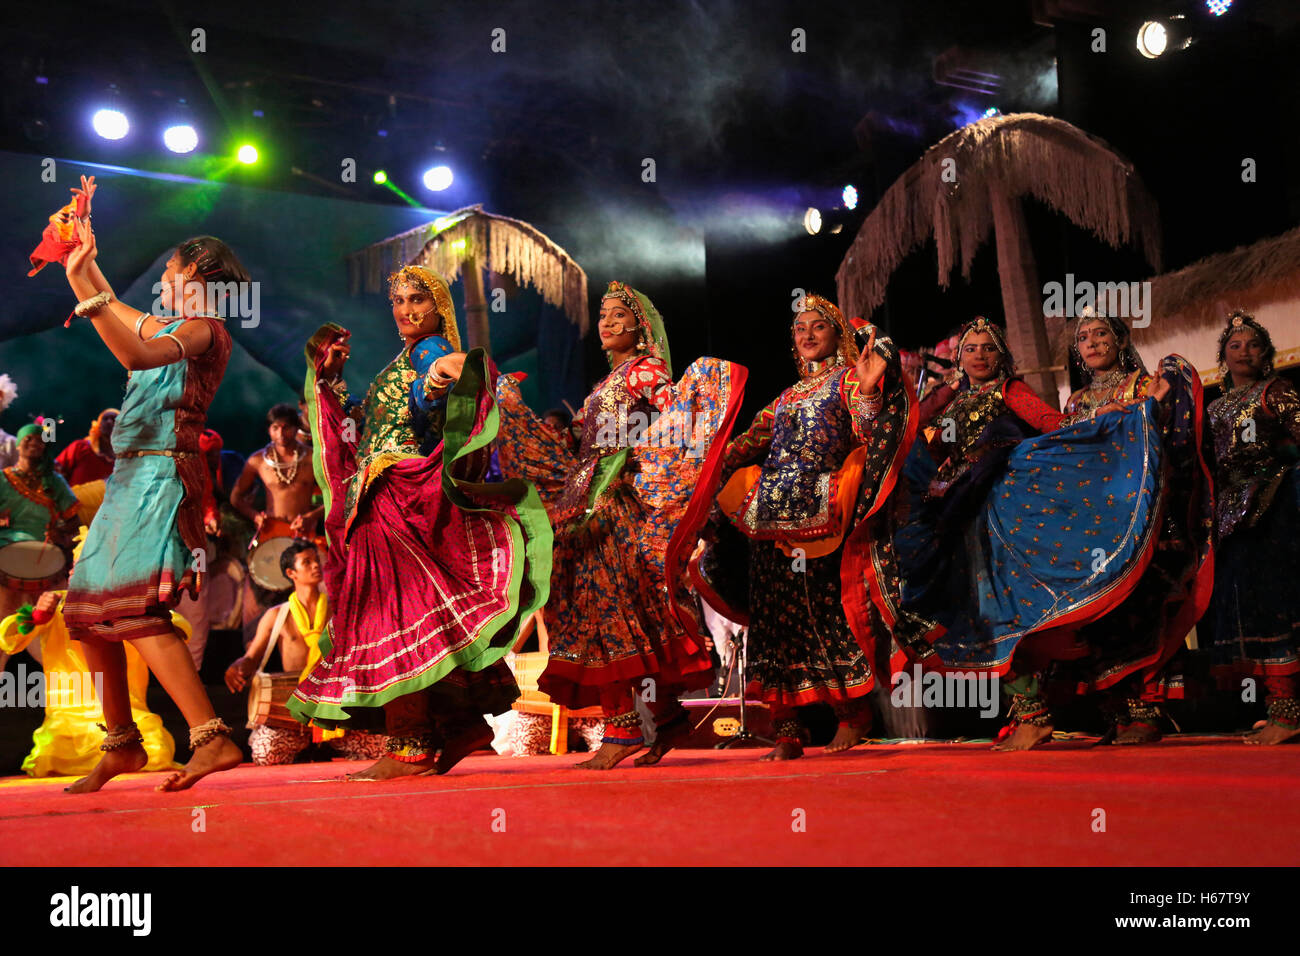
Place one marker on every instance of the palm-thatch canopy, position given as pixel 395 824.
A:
pixel 499 244
pixel 1190 307
pixel 969 183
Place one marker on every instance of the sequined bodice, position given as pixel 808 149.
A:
pixel 1247 440
pixel 963 422
pixel 609 415
pixel 387 413
pixel 812 434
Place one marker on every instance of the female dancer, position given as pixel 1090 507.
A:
pixel 139 553
pixel 1091 545
pixel 1256 428
pixel 431 566
pixel 831 447
pixel 627 490
pixel 975 420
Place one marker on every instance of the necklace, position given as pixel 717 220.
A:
pixel 1108 380
pixel 276 465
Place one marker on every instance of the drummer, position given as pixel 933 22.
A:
pixel 299 644
pixel 284 468
pixel 90 458
pixel 36 504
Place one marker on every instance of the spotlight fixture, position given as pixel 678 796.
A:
pixel 110 124
pixel 181 138
pixel 850 197
pixel 991 111
pixel 247 154
pixel 437 178
pixel 1157 37
pixel 812 220
pixel 381 177
pixel 1218 7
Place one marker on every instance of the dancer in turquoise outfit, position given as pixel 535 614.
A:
pixel 140 552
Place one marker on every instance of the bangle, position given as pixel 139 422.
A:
pixel 179 344
pixel 89 306
pixel 139 323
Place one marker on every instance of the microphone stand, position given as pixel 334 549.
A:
pixel 740 645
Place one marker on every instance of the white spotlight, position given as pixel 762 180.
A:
pixel 1152 39
pixel 812 220
pixel 110 124
pixel 438 178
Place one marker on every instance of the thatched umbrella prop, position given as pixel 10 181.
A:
pixel 467 242
pixel 972 180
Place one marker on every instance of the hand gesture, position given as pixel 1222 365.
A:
pixel 47 602
pixel 80 258
pixel 85 193
pixel 871 365
pixel 336 356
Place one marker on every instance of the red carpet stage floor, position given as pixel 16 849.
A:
pixel 1186 801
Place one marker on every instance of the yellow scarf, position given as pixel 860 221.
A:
pixel 311 631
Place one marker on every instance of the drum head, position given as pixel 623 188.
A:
pixel 31 560
pixel 264 564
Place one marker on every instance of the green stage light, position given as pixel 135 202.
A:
pixel 247 154
pixel 381 177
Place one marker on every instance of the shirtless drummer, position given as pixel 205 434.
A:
pixel 285 471
pixel 284 467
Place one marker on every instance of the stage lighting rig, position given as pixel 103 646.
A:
pixel 1157 37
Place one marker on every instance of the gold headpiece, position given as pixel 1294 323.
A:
pixel 434 286
pixel 848 346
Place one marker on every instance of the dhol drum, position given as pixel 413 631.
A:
pixel 268 696
pixel 32 566
pixel 264 551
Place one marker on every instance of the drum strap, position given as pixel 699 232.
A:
pixel 275 635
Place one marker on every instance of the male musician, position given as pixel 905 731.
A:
pixel 298 640
pixel 284 467
pixel 36 504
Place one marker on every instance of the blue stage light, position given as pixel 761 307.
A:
pixel 850 196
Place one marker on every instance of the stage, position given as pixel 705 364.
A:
pixel 1188 801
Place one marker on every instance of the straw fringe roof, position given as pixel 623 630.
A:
pixel 500 244
pixel 1026 154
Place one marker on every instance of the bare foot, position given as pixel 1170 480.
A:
pixel 608 756
pixel 1025 737
pixel 386 768
pixel 784 750
pixel 219 753
pixel 461 746
pixel 1137 732
pixel 669 737
pixel 122 760
pixel 1268 735
pixel 846 736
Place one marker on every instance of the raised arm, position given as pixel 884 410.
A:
pixel 115 322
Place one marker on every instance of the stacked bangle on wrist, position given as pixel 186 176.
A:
pixel 93 304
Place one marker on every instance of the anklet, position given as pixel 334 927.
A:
pixel 119 737
pixel 1284 712
pixel 789 731
pixel 1141 712
pixel 623 729
pixel 413 748
pixel 1030 710
pixel 200 735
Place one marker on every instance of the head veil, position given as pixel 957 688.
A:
pixel 848 346
pixel 1239 321
pixel 651 339
pixel 1129 360
pixel 434 286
